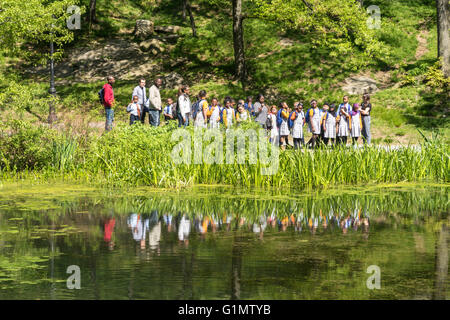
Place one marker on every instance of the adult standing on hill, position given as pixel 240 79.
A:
pixel 366 108
pixel 261 110
pixel 139 91
pixel 108 102
pixel 155 105
pixel 184 106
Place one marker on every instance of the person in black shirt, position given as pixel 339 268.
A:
pixel 366 108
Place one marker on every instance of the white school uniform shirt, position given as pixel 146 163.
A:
pixel 274 130
pixel 168 109
pixel 343 129
pixel 316 120
pixel 356 125
pixel 297 128
pixel 215 115
pixel 347 107
pixel 330 125
pixel 230 116
pixel 284 128
pixel 132 108
pixel 243 116
pixel 200 120
pixel 184 105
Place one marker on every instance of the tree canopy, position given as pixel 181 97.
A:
pixel 31 22
pixel 339 25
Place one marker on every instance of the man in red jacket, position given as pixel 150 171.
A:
pixel 108 97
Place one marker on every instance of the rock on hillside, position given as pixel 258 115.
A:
pixel 120 58
pixel 143 29
pixel 360 85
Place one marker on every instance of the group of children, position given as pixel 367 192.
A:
pixel 328 125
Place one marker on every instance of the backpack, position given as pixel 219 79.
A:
pixel 279 119
pixel 268 123
pixel 307 114
pixel 101 96
pixel 221 114
pixel 291 122
pixel 346 109
pixel 195 108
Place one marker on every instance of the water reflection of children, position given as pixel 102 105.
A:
pixel 108 226
pixel 183 230
pixel 260 226
pixel 154 236
pixel 139 227
pixel 168 221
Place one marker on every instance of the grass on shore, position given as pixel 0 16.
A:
pixel 142 156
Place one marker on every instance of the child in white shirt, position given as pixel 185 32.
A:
pixel 134 109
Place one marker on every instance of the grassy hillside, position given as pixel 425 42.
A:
pixel 282 64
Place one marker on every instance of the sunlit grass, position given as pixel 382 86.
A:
pixel 141 156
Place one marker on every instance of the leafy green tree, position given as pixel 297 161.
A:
pixel 26 29
pixel 26 24
pixel 339 25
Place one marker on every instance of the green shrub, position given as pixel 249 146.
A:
pixel 408 80
pixel 25 146
pixel 435 78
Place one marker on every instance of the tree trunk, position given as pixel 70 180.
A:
pixel 443 25
pixel 191 17
pixel 238 42
pixel 92 16
pixel 236 268
pixel 184 10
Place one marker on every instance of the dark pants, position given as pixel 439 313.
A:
pixel 298 143
pixel 366 129
pixel 325 140
pixel 342 140
pixel 143 113
pixel 109 118
pixel 154 116
pixel 133 118
pixel 181 123
pixel 314 140
pixel 320 137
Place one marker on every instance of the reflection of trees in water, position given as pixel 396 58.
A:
pixel 421 212
pixel 439 292
pixel 392 203
pixel 236 267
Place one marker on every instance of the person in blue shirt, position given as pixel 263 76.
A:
pixel 168 110
pixel 249 106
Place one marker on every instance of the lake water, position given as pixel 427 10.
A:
pixel 222 243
